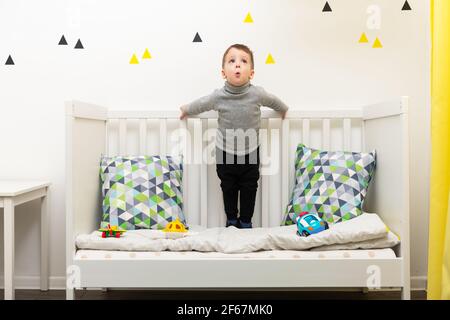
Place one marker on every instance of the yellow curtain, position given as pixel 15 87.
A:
pixel 439 229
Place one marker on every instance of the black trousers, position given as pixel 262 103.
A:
pixel 238 174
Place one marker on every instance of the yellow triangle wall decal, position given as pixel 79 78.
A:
pixel 248 18
pixel 134 59
pixel 377 44
pixel 363 38
pixel 270 59
pixel 146 55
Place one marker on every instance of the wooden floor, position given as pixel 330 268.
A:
pixel 212 295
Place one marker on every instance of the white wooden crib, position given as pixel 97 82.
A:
pixel 94 130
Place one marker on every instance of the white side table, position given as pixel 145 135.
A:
pixel 13 193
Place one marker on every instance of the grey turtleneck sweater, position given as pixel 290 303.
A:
pixel 238 108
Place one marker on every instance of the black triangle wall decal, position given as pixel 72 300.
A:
pixel 327 8
pixel 79 45
pixel 9 61
pixel 406 6
pixel 197 38
pixel 63 41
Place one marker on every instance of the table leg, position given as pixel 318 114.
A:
pixel 9 248
pixel 44 242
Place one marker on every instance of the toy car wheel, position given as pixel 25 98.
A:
pixel 326 226
pixel 305 234
pixel 298 233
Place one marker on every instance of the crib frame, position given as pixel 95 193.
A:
pixel 384 128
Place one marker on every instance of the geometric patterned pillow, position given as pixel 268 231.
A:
pixel 141 192
pixel 331 184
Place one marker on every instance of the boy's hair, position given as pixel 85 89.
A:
pixel 242 47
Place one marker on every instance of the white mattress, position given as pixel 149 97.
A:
pixel 272 254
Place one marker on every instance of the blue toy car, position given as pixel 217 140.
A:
pixel 309 223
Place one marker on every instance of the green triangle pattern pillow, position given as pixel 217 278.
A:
pixel 141 192
pixel 332 184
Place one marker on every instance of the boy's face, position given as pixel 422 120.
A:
pixel 237 69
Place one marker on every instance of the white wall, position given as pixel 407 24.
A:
pixel 319 64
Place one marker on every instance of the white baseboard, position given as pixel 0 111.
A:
pixel 34 282
pixel 59 283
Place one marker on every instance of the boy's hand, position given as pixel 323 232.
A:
pixel 183 112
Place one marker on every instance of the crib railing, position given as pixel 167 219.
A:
pixel 194 136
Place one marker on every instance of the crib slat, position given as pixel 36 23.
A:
pixel 326 134
pixel 363 136
pixel 108 123
pixel 265 201
pixel 210 141
pixel 264 143
pixel 198 143
pixel 197 153
pixel 183 150
pixel 291 169
pixel 204 179
pixel 162 136
pixel 142 136
pixel 305 134
pixel 122 137
pixel 347 134
pixel 284 165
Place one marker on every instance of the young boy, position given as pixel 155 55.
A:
pixel 237 145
